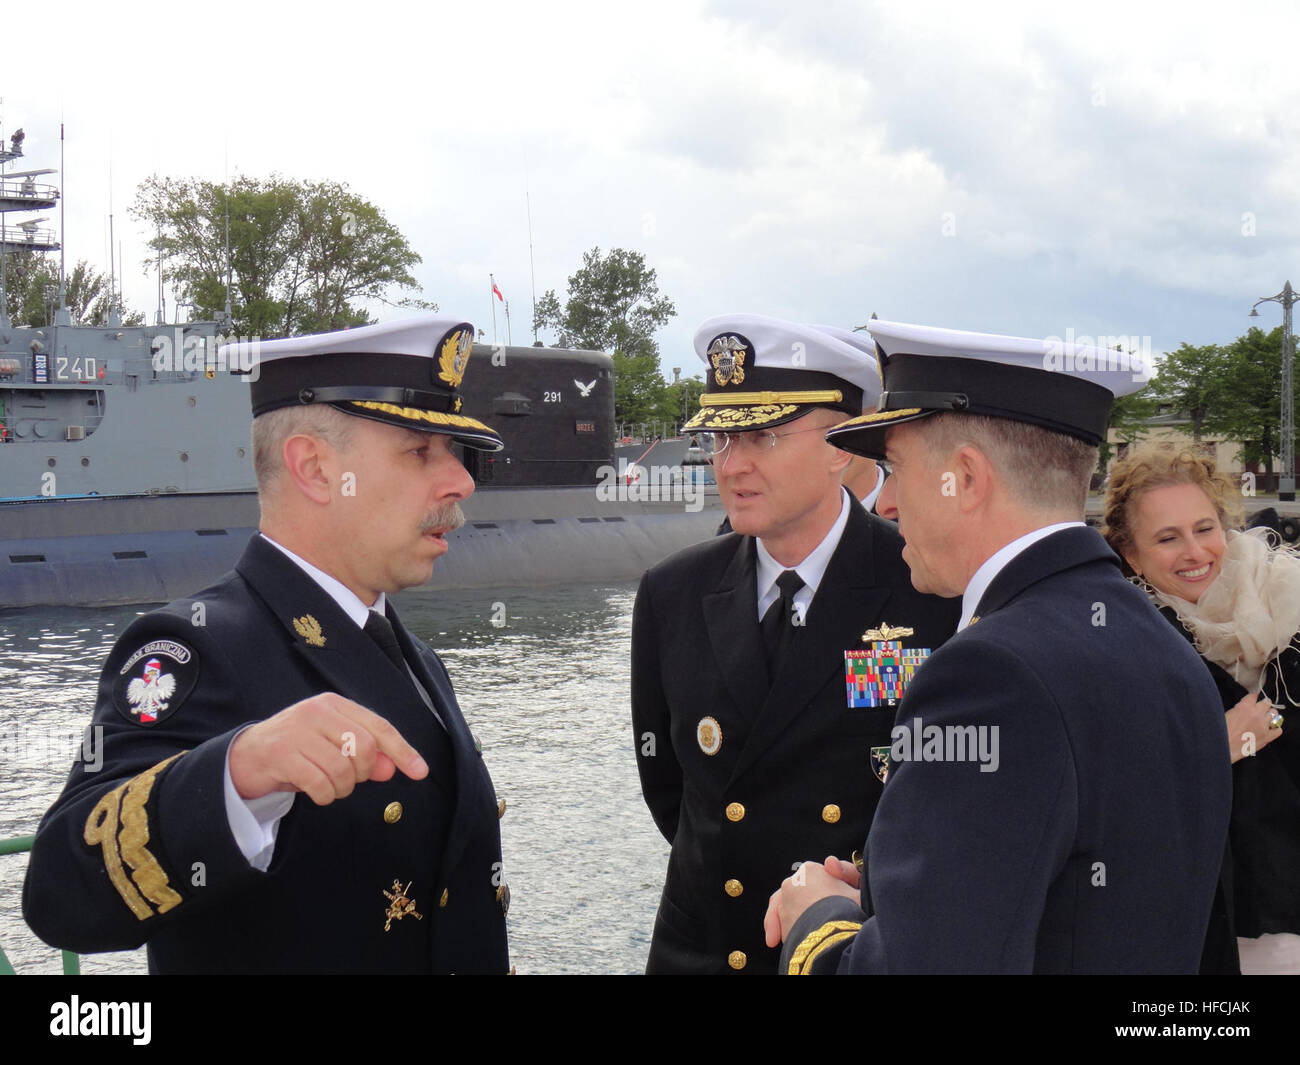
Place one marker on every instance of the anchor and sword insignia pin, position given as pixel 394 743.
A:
pixel 400 904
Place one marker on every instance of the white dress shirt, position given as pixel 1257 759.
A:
pixel 810 570
pixel 994 564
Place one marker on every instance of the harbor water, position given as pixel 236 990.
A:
pixel 542 677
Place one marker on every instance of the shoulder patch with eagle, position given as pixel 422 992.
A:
pixel 154 681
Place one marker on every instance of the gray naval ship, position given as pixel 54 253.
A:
pixel 126 471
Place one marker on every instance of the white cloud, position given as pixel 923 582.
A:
pixel 1095 162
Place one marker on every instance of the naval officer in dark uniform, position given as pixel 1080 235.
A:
pixel 766 663
pixel 288 784
pixel 1058 796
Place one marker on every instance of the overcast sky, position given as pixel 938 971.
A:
pixel 1111 168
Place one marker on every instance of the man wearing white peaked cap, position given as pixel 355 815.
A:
pixel 1058 791
pixel 766 664
pixel 303 794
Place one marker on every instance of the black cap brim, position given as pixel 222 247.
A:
pixel 865 434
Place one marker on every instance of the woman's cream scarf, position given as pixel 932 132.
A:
pixel 1250 612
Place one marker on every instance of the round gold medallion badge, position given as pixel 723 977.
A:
pixel 708 734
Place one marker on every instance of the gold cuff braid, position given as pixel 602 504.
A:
pixel 817 942
pixel 119 826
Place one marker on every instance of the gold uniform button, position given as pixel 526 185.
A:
pixel 733 888
pixel 830 813
pixel 392 813
pixel 735 812
pixel 501 808
pixel 442 902
pixel 736 959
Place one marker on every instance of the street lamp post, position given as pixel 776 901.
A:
pixel 1286 480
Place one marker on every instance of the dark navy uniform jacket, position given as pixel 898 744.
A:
pixel 1261 884
pixel 1096 843
pixel 791 777
pixel 141 851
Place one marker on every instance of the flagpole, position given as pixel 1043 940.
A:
pixel 507 303
pixel 532 271
pixel 492 290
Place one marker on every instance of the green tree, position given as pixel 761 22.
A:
pixel 1195 381
pixel 614 305
pixel 1252 399
pixel 1231 391
pixel 1130 418
pixel 681 399
pixel 32 292
pixel 303 255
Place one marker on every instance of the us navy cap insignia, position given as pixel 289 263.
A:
pixel 309 629
pixel 887 632
pixel 727 352
pixel 708 734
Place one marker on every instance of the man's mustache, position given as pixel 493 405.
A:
pixel 448 518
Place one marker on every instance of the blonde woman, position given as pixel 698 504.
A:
pixel 1170 516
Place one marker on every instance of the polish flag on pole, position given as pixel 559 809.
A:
pixel 496 291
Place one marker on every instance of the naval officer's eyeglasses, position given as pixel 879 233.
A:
pixel 756 440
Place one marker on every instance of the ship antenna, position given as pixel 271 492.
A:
pixel 161 318
pixel 62 317
pixel 112 270
pixel 113 317
pixel 229 268
pixel 228 317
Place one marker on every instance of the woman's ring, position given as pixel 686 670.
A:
pixel 1276 720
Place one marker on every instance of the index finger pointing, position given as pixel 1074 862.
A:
pixel 387 739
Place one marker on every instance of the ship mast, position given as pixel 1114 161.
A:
pixel 23 195
pixel 62 316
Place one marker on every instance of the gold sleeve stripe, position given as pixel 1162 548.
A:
pixel 102 830
pixel 749 399
pixel 415 414
pixel 818 941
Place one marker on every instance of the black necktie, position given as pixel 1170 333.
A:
pixel 778 622
pixel 380 629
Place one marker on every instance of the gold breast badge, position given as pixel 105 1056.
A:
pixel 400 905
pixel 309 629
pixel 887 632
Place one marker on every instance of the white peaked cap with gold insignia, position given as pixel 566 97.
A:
pixel 762 372
pixel 405 373
pixel 1068 388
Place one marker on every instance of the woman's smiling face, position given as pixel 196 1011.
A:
pixel 1178 540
